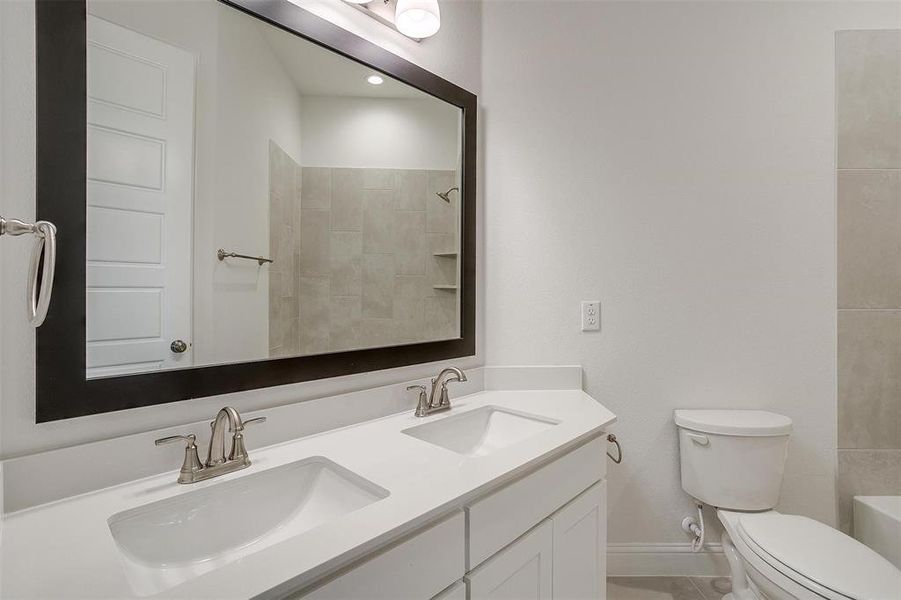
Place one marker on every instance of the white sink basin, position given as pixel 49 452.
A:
pixel 170 541
pixel 481 431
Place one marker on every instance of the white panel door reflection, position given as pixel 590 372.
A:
pixel 140 201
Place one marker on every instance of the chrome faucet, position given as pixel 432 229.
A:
pixel 217 463
pixel 429 405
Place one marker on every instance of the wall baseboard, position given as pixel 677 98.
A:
pixel 674 559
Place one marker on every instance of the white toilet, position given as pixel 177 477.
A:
pixel 734 460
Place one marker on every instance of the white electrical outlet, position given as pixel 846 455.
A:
pixel 591 315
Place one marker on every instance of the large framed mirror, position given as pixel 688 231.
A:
pixel 247 196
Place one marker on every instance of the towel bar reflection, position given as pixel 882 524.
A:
pixel 222 255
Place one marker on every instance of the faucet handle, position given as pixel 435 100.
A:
pixel 239 450
pixel 422 407
pixel 191 463
pixel 190 439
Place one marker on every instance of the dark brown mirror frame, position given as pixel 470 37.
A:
pixel 63 391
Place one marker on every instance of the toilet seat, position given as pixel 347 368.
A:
pixel 819 558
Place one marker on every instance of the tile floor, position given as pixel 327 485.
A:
pixel 667 588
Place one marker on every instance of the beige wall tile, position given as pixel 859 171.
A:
pixel 868 99
pixel 410 293
pixel 442 242
pixel 314 315
pixel 360 223
pixel 379 221
pixel 314 242
pixel 378 179
pixel 285 179
pixel 378 286
pixel 409 244
pixel 278 165
pixel 347 199
pixel 346 256
pixel 869 239
pixel 865 473
pixel 441 215
pixel 317 188
pixel 345 323
pixel 380 332
pixel 869 379
pixel 411 188
pixel 441 319
pixel 284 264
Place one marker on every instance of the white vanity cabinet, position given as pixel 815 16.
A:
pixel 541 537
pixel 580 546
pixel 524 570
pixel 563 558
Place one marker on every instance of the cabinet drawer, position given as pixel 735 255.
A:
pixel 498 519
pixel 418 567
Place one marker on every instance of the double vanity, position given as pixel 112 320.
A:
pixel 504 494
pixel 254 217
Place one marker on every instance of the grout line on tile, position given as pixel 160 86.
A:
pixel 698 588
pixel 868 309
pixel 869 169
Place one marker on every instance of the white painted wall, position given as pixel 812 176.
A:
pixel 386 133
pixel 256 102
pixel 454 54
pixel 675 161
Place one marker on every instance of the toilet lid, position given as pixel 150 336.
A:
pixel 821 554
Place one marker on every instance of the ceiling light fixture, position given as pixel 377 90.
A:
pixel 375 80
pixel 416 19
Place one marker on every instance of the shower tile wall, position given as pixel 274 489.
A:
pixel 868 180
pixel 284 224
pixel 364 264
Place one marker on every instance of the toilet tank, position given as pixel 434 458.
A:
pixel 733 459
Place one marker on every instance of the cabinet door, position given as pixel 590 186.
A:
pixel 521 571
pixel 580 546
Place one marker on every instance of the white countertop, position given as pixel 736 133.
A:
pixel 65 549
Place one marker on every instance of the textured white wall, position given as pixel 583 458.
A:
pixel 675 161
pixel 387 133
pixel 453 54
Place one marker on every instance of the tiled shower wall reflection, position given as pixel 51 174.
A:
pixel 369 258
pixel 868 111
pixel 285 177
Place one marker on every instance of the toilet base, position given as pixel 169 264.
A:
pixel 741 585
pixel 753 579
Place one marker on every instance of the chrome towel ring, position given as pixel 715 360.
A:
pixel 43 258
pixel 619 449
